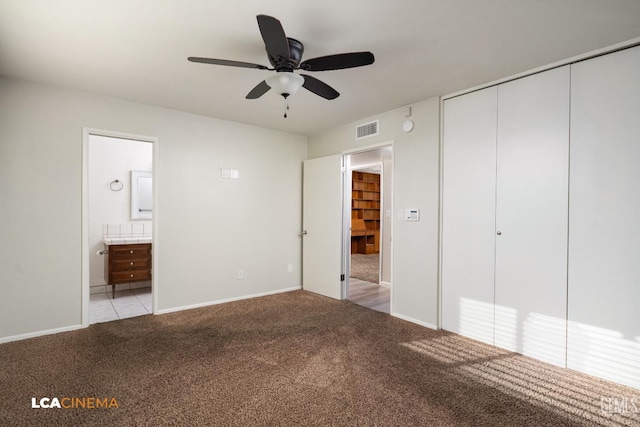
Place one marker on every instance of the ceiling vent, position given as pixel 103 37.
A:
pixel 366 130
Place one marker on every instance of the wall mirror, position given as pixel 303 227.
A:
pixel 141 194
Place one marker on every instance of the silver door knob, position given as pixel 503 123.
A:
pixel 499 233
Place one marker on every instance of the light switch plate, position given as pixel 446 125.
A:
pixel 229 173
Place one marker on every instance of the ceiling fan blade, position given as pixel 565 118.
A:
pixel 275 40
pixel 319 88
pixel 258 91
pixel 227 63
pixel 338 62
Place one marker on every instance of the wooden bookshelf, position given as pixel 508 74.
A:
pixel 365 213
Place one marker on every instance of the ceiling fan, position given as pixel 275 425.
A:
pixel 285 54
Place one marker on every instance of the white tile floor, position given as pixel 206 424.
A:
pixel 130 303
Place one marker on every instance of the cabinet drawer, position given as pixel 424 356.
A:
pixel 118 252
pixel 130 264
pixel 130 276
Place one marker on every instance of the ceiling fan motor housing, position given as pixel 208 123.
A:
pixel 296 49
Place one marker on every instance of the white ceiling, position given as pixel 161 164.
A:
pixel 137 49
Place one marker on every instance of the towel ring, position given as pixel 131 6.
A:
pixel 116 185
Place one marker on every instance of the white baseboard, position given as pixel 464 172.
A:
pixel 385 284
pixel 416 321
pixel 39 333
pixel 222 301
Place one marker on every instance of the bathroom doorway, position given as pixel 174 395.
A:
pixel 370 198
pixel 118 208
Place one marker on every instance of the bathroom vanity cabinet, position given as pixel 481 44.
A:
pixel 128 263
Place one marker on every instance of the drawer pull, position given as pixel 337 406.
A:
pixel 131 263
pixel 130 252
pixel 131 275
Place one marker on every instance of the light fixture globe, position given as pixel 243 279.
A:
pixel 285 83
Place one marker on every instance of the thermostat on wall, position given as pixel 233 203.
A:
pixel 412 214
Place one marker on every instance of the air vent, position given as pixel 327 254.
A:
pixel 366 130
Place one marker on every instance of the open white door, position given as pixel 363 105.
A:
pixel 322 259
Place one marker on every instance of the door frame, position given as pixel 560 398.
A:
pixel 346 233
pixel 86 285
pixel 382 208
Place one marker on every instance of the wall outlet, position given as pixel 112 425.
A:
pixel 229 174
pixel 240 274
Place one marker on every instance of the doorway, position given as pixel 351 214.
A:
pixel 370 198
pixel 118 206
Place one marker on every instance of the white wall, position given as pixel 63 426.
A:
pixel 208 228
pixel 416 185
pixel 111 159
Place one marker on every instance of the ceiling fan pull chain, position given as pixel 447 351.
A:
pixel 286 107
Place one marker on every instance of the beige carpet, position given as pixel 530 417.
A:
pixel 291 359
pixel 365 267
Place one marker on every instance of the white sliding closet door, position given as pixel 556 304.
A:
pixel 532 215
pixel 604 239
pixel 468 220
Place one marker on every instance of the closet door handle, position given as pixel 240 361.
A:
pixel 499 233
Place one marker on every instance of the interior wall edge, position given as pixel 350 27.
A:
pixel 226 300
pixel 42 333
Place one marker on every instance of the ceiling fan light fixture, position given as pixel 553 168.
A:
pixel 285 83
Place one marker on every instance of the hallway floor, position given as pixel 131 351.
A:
pixel 129 303
pixel 370 295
